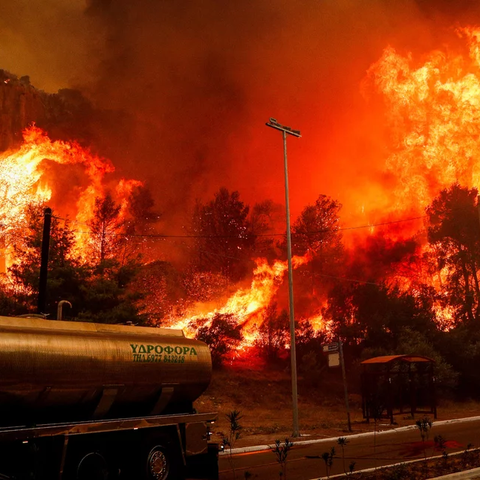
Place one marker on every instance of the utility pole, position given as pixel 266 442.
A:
pixel 293 355
pixel 344 376
pixel 42 287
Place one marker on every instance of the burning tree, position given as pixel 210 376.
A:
pixel 264 219
pixel 224 238
pixel 221 335
pixel 316 233
pixel 140 223
pixel 106 228
pixel 273 333
pixel 316 230
pixel 454 235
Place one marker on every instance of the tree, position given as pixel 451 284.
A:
pixel 65 272
pixel 140 223
pixel 273 333
pixel 316 232
pixel 309 345
pixel 411 343
pixel 454 236
pixel 160 286
pixel 328 458
pixel 424 425
pixel 460 347
pixel 224 238
pixel 375 315
pixel 221 336
pixel 317 227
pixel 106 229
pixel 108 296
pixel 341 310
pixel 343 441
pixel 265 219
pixel 100 292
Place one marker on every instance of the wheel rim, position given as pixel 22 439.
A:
pixel 157 464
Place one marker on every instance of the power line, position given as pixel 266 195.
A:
pixel 351 280
pixel 313 232
pixel 384 223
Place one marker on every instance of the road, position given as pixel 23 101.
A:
pixel 366 450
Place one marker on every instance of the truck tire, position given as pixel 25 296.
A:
pixel 163 464
pixel 92 466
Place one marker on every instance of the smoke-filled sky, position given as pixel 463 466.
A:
pixel 191 83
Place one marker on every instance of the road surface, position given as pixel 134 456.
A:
pixel 366 450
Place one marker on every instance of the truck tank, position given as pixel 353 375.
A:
pixel 53 371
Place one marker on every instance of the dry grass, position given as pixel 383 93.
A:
pixel 263 397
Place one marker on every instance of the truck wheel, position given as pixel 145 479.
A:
pixel 162 464
pixel 92 466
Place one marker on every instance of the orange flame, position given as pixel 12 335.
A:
pixel 434 115
pixel 23 181
pixel 247 304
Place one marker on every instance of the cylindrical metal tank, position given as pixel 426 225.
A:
pixel 63 371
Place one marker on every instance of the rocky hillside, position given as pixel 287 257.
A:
pixel 20 105
pixel 65 115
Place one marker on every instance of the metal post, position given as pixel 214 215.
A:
pixel 42 288
pixel 293 356
pixel 60 305
pixel 342 363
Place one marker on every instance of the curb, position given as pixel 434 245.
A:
pixel 257 448
pixel 465 475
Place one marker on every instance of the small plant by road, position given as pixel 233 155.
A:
pixel 234 432
pixel 281 453
pixel 440 442
pixel 342 441
pixel 328 459
pixel 424 425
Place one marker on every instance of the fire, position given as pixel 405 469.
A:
pixel 434 117
pixel 433 120
pixel 23 180
pixel 247 304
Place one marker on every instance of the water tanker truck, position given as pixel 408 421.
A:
pixel 86 401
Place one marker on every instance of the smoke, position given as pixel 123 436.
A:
pixel 186 88
pixel 46 40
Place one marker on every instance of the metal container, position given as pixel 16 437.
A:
pixel 63 371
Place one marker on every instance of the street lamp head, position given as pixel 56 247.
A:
pixel 274 124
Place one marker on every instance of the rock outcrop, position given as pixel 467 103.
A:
pixel 20 105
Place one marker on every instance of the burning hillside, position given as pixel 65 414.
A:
pixel 431 105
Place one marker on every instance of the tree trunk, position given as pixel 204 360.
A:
pixel 477 288
pixel 468 295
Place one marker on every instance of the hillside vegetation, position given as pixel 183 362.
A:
pixel 264 399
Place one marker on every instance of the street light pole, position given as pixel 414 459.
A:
pixel 293 355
